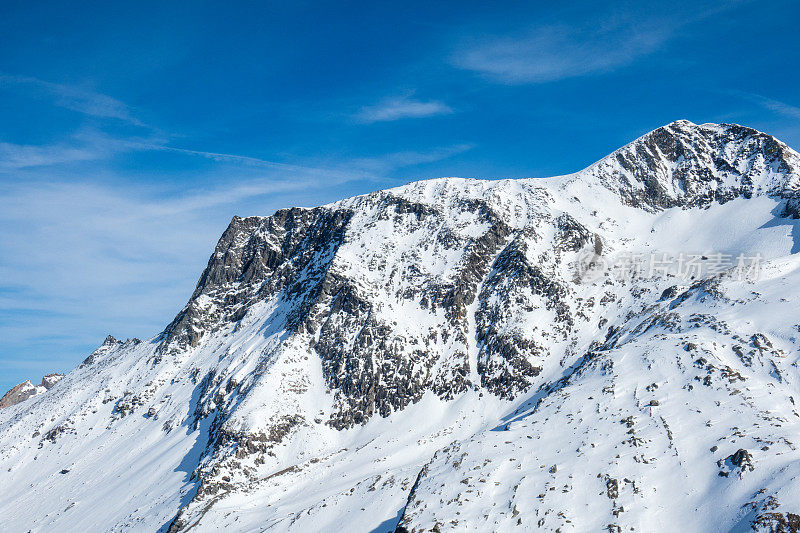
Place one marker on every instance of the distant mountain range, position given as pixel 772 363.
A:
pixel 26 389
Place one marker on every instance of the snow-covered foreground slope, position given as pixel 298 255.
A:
pixel 458 354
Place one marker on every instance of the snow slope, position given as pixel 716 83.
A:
pixel 429 358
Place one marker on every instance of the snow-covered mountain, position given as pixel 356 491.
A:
pixel 614 349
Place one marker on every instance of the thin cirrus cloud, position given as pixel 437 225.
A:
pixel 18 156
pixel 776 106
pixel 391 109
pixel 551 53
pixel 392 161
pixel 75 98
pixel 84 145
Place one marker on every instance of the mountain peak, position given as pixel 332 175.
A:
pixel 683 164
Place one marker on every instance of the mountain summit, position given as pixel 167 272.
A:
pixel 684 164
pixel 613 349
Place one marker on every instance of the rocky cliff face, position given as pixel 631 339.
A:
pixel 435 356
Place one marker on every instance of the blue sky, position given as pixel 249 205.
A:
pixel 132 133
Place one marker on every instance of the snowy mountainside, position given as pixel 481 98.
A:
pixel 430 357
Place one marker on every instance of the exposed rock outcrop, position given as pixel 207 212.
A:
pixel 26 389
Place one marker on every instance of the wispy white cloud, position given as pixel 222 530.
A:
pixel 352 172
pixel 391 109
pixel 557 52
pixel 76 98
pixel 554 51
pixel 777 106
pixel 72 97
pixel 92 145
pixel 392 161
pixel 365 168
pixel 86 144
pixel 17 156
